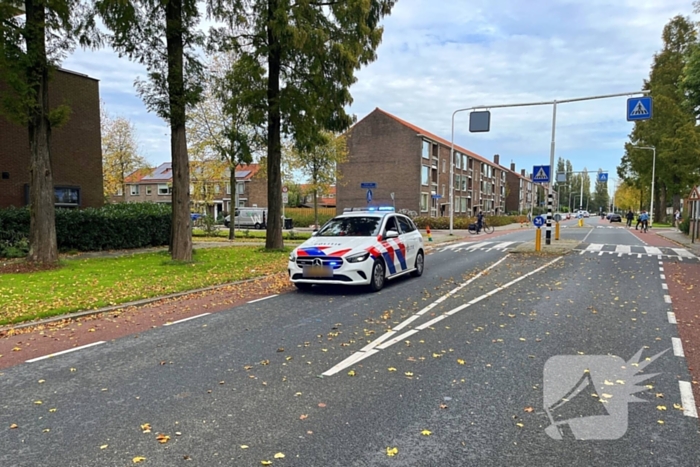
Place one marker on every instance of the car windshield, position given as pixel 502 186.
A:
pixel 351 227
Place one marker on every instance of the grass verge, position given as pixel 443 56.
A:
pixel 84 284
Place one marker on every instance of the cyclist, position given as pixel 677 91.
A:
pixel 644 219
pixel 479 221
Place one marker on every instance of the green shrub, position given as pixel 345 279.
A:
pixel 685 225
pixel 112 227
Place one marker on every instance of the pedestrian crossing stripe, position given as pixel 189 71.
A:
pixel 541 175
pixel 620 250
pixel 639 109
pixel 473 246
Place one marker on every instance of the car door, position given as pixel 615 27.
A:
pixel 392 249
pixel 410 237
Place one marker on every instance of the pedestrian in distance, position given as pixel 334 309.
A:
pixel 630 217
pixel 677 219
pixel 639 221
pixel 479 221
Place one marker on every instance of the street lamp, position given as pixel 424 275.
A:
pixel 653 176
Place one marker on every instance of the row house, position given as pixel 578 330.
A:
pixel 156 186
pixel 411 169
pixel 519 191
pixel 325 199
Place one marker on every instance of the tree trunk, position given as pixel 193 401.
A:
pixel 43 246
pixel 315 184
pixel 660 214
pixel 181 232
pixel 273 240
pixel 232 213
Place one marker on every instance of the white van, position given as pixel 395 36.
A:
pixel 248 217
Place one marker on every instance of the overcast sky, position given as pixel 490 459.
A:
pixel 441 55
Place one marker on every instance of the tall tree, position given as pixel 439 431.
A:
pixel 227 123
pixel 311 50
pixel 601 198
pixel 320 164
pixel 120 154
pixel 163 35
pixel 35 35
pixel 673 130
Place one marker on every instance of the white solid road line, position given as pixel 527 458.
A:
pixel 186 319
pixel 65 352
pixel 264 298
pixel 677 347
pixel 362 354
pixel 687 399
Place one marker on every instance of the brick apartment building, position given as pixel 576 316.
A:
pixel 519 191
pixel 76 150
pixel 413 164
pixel 156 186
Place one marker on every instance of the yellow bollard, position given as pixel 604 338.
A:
pixel 580 222
pixel 538 239
pixel 556 232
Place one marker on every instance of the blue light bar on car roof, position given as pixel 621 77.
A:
pixel 380 208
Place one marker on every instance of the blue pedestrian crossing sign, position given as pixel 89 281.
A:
pixel 639 108
pixel 538 221
pixel 540 174
pixel 603 177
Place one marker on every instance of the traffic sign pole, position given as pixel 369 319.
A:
pixel 550 195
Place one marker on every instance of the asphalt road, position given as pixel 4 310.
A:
pixel 490 358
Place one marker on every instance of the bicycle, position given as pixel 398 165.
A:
pixel 645 226
pixel 484 226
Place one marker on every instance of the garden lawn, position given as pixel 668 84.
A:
pixel 83 284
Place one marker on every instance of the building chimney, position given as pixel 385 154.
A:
pixel 522 172
pixel 496 158
pixel 512 166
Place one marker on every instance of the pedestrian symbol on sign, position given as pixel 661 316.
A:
pixel 640 110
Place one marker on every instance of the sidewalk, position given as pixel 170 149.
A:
pixel 680 238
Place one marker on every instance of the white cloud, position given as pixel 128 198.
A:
pixel 437 56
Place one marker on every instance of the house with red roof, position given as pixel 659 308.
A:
pixel 411 169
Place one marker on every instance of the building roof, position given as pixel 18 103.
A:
pixel 137 175
pixel 434 137
pixel 246 172
pixel 162 173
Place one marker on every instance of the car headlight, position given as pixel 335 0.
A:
pixel 293 255
pixel 358 258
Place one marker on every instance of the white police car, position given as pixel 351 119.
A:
pixel 362 246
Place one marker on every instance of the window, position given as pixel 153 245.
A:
pixel 134 190
pixel 464 161
pixel 426 149
pixel 149 190
pixel 464 183
pixel 443 190
pixel 66 196
pixel 240 188
pixel 424 202
pixel 354 227
pixel 425 175
pixel 464 204
pixel 120 192
pixel 164 189
pixel 444 165
pixel 228 188
pixel 406 224
pixel 458 160
pixel 217 188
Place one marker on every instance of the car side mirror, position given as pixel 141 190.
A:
pixel 391 234
pixel 314 233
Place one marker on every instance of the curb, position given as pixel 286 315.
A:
pixel 145 301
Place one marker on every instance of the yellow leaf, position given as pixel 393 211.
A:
pixel 13 426
pixel 436 355
pixel 519 425
pixel 607 396
pixel 47 430
pixel 522 339
pixel 279 455
pixel 104 446
pixel 42 381
pixel 408 373
pixel 138 459
pixel 391 369
pixel 660 407
pixel 266 462
pixel 391 452
pixel 297 394
pixel 146 427
pixel 162 439
pixel 351 373
pixel 608 383
pixel 38 402
pixel 678 406
pixel 619 381
pixel 73 370
pixel 426 432
pixel 244 446
pixel 52 410
pixel 460 361
pixel 660 422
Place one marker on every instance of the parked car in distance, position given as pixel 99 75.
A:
pixel 248 217
pixel 614 217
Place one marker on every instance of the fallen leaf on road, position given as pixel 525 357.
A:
pixel 266 462
pixel 678 406
pixel 162 439
pixel 138 459
pixel 426 432
pixel 244 446
pixel 52 410
pixel 408 373
pixel 351 373
pixel 297 394
pixel 528 409
pixel 660 422
pixel 391 452
pixel 146 427
pixel 104 446
pixel 321 404
pixel 443 406
pixel 303 417
pixel 38 402
pixel 391 369
pixel 41 381
pixel 660 407
pixel 13 426
pixel 520 425
pixel 279 455
pixel 461 362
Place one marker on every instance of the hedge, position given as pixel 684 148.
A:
pixel 304 217
pixel 462 222
pixel 112 227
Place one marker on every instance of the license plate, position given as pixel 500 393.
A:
pixel 318 271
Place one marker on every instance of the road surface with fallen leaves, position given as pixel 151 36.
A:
pixel 446 369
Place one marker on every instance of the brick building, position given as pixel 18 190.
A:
pixel 156 187
pixel 519 191
pixel 324 200
pixel 76 150
pixel 413 164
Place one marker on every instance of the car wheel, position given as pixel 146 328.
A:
pixel 420 264
pixel 257 226
pixel 303 286
pixel 378 277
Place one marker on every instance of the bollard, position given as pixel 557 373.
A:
pixel 430 237
pixel 556 232
pixel 538 239
pixel 580 222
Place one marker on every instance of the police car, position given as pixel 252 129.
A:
pixel 362 246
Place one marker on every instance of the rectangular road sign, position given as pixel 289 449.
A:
pixel 603 177
pixel 436 196
pixel 639 108
pixel 540 174
pixel 480 121
pixel 368 185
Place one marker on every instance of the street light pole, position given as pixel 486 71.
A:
pixel 653 176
